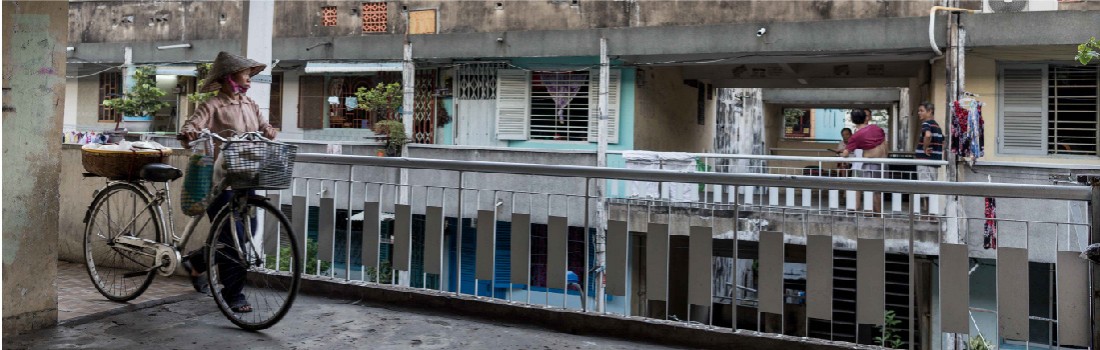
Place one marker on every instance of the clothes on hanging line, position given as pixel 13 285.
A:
pixel 989 240
pixel 968 129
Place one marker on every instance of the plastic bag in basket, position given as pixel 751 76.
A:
pixel 199 179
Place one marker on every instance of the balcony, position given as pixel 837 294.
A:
pixel 531 235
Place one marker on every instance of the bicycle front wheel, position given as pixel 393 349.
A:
pixel 254 278
pixel 120 272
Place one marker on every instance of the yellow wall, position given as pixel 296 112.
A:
pixel 665 114
pixel 981 78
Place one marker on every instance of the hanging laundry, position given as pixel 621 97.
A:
pixel 968 129
pixel 990 240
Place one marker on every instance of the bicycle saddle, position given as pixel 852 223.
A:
pixel 160 172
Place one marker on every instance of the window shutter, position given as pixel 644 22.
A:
pixel 513 104
pixel 613 89
pixel 311 102
pixel 1023 122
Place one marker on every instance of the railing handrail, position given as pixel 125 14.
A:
pixel 975 189
pixel 895 161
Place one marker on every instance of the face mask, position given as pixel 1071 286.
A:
pixel 236 87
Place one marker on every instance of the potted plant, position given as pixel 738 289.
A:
pixel 384 99
pixel 395 135
pixel 142 100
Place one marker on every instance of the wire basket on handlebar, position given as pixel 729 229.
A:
pixel 258 164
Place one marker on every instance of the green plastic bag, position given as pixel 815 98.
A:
pixel 199 179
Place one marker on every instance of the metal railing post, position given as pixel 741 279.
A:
pixel 458 238
pixel 1094 238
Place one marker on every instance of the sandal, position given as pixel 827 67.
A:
pixel 240 306
pixel 200 284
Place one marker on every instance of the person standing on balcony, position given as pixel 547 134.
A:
pixel 843 168
pixel 229 110
pixel 872 140
pixel 930 146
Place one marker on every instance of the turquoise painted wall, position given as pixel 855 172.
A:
pixel 445 135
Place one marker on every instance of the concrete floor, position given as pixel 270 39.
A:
pixel 314 322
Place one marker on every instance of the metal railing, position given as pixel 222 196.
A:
pixel 530 233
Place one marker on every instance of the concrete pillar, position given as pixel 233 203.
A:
pixel 257 45
pixel 35 35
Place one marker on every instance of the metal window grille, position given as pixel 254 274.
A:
pixel 477 81
pixel 110 86
pixel 1073 113
pixel 343 88
pixel 328 16
pixel 567 118
pixel 374 15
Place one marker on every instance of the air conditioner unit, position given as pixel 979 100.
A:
pixel 1004 6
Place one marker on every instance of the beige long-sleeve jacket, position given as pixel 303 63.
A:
pixel 222 113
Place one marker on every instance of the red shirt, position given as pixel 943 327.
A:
pixel 866 138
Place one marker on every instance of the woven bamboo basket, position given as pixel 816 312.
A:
pixel 121 165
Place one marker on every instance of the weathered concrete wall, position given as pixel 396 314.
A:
pixel 303 19
pixel 129 21
pixel 666 112
pixel 87 101
pixel 33 101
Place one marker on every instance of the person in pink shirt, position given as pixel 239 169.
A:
pixel 872 140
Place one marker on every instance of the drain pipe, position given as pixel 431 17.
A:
pixel 932 28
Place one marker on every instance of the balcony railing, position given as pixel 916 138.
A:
pixel 540 234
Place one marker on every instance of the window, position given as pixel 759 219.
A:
pixel 1072 109
pixel 374 15
pixel 343 111
pixel 555 106
pixel 328 16
pixel 825 124
pixel 559 106
pixel 1049 109
pixel 275 112
pixel 110 86
pixel 797 123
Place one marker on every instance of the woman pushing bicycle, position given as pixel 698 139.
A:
pixel 228 111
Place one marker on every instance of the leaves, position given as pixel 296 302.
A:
pixel 396 132
pixel 888 337
pixel 1088 51
pixel 200 97
pixel 384 97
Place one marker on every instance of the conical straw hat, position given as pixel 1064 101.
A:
pixel 228 63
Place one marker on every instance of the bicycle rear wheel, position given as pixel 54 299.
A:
pixel 263 271
pixel 120 273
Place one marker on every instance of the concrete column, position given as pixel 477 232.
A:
pixel 257 46
pixel 35 35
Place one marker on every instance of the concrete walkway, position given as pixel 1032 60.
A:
pixel 194 322
pixel 77 297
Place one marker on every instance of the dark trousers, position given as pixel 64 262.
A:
pixel 231 272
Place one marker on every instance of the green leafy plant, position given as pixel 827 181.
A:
pixel 384 273
pixel 200 97
pixel 143 98
pixel 889 338
pixel 978 343
pixel 311 259
pixel 1088 51
pixel 395 130
pixel 381 98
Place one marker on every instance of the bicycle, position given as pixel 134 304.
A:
pixel 126 241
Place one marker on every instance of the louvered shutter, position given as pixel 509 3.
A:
pixel 1023 122
pixel 613 89
pixel 513 104
pixel 311 102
